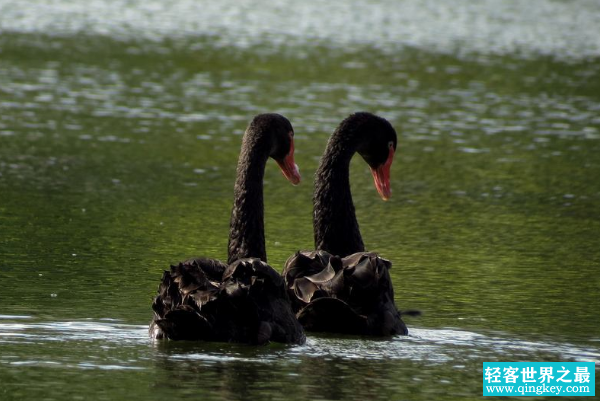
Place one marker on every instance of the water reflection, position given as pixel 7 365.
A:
pixel 487 27
pixel 436 346
pixel 325 368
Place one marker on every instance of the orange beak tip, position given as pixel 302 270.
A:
pixel 382 183
pixel 295 177
pixel 290 170
pixel 385 193
pixel 298 174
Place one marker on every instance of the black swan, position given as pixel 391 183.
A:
pixel 339 287
pixel 245 300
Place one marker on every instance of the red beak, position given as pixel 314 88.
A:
pixel 381 176
pixel 288 167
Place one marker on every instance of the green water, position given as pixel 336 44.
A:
pixel 118 155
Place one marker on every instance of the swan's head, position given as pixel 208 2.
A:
pixel 377 146
pixel 279 136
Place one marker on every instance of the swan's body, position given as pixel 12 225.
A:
pixel 340 288
pixel 244 300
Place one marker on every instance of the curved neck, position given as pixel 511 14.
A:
pixel 334 220
pixel 246 228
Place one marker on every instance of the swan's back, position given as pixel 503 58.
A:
pixel 204 299
pixel 351 295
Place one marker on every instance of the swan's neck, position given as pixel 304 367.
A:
pixel 334 219
pixel 246 229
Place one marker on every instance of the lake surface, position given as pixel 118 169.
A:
pixel 120 125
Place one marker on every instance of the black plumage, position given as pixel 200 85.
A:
pixel 340 287
pixel 244 300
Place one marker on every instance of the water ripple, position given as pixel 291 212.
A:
pixel 431 346
pixel 563 29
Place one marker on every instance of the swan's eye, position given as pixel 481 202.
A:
pixel 390 145
pixel 291 134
